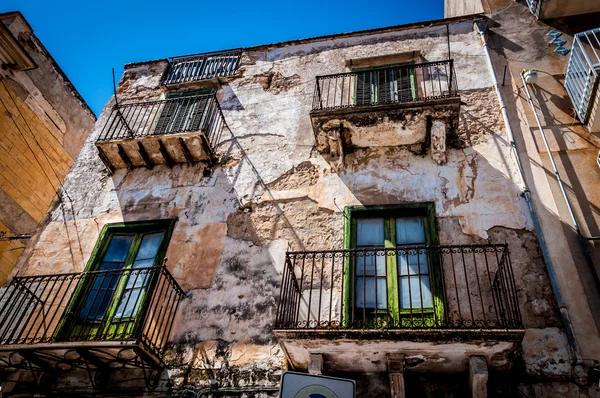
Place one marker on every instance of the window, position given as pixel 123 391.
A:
pixel 184 111
pixel 394 83
pixel 109 298
pixel 403 288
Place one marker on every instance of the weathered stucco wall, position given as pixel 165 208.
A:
pixel 271 191
pixel 574 150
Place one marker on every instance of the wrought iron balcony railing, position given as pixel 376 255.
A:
pixel 581 79
pixel 137 304
pixel 535 7
pixel 396 84
pixel 420 287
pixel 200 113
pixel 202 66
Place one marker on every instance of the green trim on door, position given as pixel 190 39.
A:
pixel 374 86
pixel 396 315
pixel 70 325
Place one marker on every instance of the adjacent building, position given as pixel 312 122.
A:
pixel 43 125
pixel 357 205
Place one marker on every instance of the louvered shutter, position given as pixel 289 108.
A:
pixel 405 84
pixel 166 114
pixel 386 86
pixel 363 88
pixel 181 114
pixel 181 119
pixel 198 114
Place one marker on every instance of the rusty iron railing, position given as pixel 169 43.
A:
pixel 168 116
pixel 197 67
pixel 396 84
pixel 419 287
pixel 115 305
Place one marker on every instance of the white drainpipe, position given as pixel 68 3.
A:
pixel 527 195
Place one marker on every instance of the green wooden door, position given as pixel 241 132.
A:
pixel 107 304
pixel 402 290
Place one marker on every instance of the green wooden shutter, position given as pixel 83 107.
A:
pixel 185 114
pixel 363 88
pixel 166 114
pixel 386 85
pixel 405 83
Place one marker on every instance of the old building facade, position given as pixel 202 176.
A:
pixel 348 205
pixel 43 125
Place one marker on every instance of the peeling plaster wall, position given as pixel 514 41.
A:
pixel 271 191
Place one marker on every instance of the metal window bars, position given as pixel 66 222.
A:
pixel 397 84
pixel 73 307
pixel 168 116
pixel 191 68
pixel 472 287
pixel 581 80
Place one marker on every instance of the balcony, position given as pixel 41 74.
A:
pixel 101 321
pixel 581 79
pixel 170 131
pixel 534 7
pixel 207 67
pixel 546 9
pixel 461 300
pixel 394 106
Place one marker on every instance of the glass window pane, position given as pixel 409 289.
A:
pixel 130 303
pixel 369 232
pixel 366 265
pixel 365 294
pixel 381 293
pixel 137 279
pixel 417 290
pixel 99 296
pixel 410 230
pixel 143 263
pixel 118 248
pixel 417 263
pixel 110 266
pixel 149 246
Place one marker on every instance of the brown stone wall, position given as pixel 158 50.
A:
pixel 44 123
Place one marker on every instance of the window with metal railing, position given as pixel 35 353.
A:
pixel 581 79
pixel 476 289
pixel 386 85
pixel 127 294
pixel 183 113
pixel 202 66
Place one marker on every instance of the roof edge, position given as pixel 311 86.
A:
pixel 393 28
pixel 385 29
pixel 46 53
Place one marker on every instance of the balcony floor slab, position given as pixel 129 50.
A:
pixel 431 350
pixel 61 356
pixel 169 149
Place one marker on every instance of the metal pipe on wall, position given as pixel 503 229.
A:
pixel 527 195
pixel 563 190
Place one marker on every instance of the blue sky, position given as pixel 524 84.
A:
pixel 89 37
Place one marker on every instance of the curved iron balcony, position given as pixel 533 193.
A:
pixel 99 319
